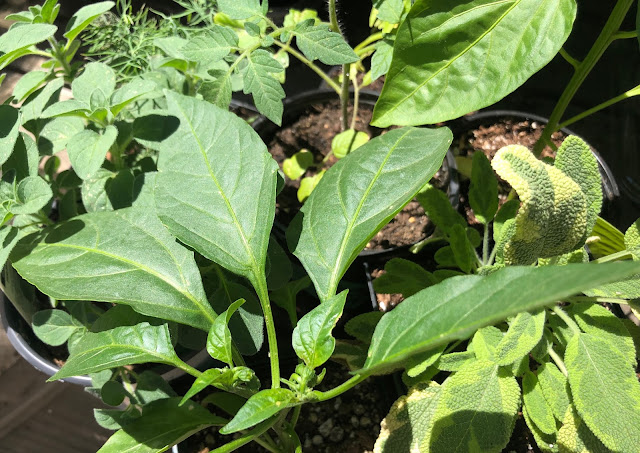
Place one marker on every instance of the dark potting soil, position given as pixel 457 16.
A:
pixel 314 130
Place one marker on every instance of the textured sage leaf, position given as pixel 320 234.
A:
pixel 525 332
pixel 258 408
pixel 259 81
pixel 124 256
pixel 477 410
pixel 240 9
pixel 418 364
pixel 295 166
pixel 458 306
pixel 9 237
pixel 88 149
pixel 54 327
pixel 163 423
pixel 70 107
pixel 211 45
pixel 121 346
pixel 483 191
pixel 107 191
pixel 538 409
pixel 462 249
pixel 25 158
pixel 317 42
pixel 97 80
pixel 347 141
pixel 484 342
pixel 219 339
pixel 492 48
pixel 455 361
pixel 15 42
pixel 358 195
pixel 9 131
pixel 554 388
pixel 312 339
pixel 227 209
pixel 438 207
pixel 632 237
pixel 605 390
pixel 84 16
pixel 408 425
pixel 575 437
pixel 546 443
pixel 404 277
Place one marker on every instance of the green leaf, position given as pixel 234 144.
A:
pixel 389 11
pixel 421 363
pixel 259 82
pixel 36 103
pixel 632 238
pixel 484 342
pixel 112 393
pixel 70 107
pixel 14 43
pixel 124 256
pixel 9 236
pixel 9 131
pixel 25 158
pixel 32 194
pixel 462 249
pixel 258 408
pixel 278 269
pixel 308 184
pixel 575 437
pixel 54 327
pixel 210 46
pixel 285 297
pixel 362 326
pixel 295 166
pixel 525 332
pixel 163 424
pixel 381 59
pixel 219 339
pixel 227 209
pixel 437 206
pixel 478 407
pixel 217 91
pixel 114 419
pixel 537 407
pixel 605 391
pixel 459 306
pixel 455 361
pixel 408 425
pixel 129 92
pixel 56 134
pixel 236 379
pixel 121 346
pixel 203 381
pixel 609 239
pixel 312 339
pixel 28 83
pixel 554 388
pixel 347 141
pixel 88 149
pixel 511 41
pixel 483 191
pixel 106 191
pixel 97 81
pixel 358 196
pixel 119 316
pixel 545 442
pixel 83 17
pixel 317 42
pixel 240 9
pixel 404 277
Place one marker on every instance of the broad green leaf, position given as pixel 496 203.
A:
pixel 54 327
pixel 381 59
pixel 258 408
pixel 227 209
pixel 112 393
pixel 605 390
pixel 217 91
pixel 483 191
pixel 478 407
pixel 554 388
pixel 444 257
pixel 418 364
pixel 21 294
pixel 537 406
pixel 9 131
pixel 25 158
pixel 577 161
pixel 88 149
pixel 596 320
pixel 15 42
pixel 308 184
pixel 84 16
pixel 240 9
pixel 97 81
pixel 404 277
pixel 348 141
pixel 203 381
pixel 546 443
pixel 484 342
pixel 239 380
pixel 455 361
pixel 114 419
pixel 609 239
pixel 492 48
pixel 525 332
pixel 278 267
pixel 9 236
pixel 107 191
pixel 437 206
pixel 163 424
pixel 357 196
pixel 129 92
pixel 70 107
pixel 575 437
pixel 362 326
pixel 219 339
pixel 118 347
pixel 259 81
pixel 463 252
pixel 458 306
pixel 36 103
pixel 56 134
pixel 317 42
pixel 285 297
pixel 28 83
pixel 124 256
pixel 312 339
pixel 211 45
pixel 295 166
pixel 408 425
pixel 119 316
pixel 389 11
pixel 32 194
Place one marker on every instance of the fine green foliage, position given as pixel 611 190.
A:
pixel 426 79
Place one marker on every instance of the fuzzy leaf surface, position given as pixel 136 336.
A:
pixel 357 196
pixel 84 16
pixel 88 149
pixel 240 9
pixel 575 437
pixel 404 277
pixel 554 388
pixel 483 191
pixel 317 42
pixel 524 333
pixel 259 81
pixel 9 131
pixel 537 407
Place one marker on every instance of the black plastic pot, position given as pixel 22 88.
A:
pixel 296 106
pixel 610 190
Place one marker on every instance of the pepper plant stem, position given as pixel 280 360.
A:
pixel 582 71
pixel 339 390
pixel 263 295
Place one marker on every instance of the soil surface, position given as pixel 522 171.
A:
pixel 314 130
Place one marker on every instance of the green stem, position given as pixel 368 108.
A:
pixel 626 95
pixel 263 295
pixel 558 361
pixel 452 346
pixel 344 95
pixel 310 65
pixel 369 40
pixel 187 368
pixel 622 255
pixel 333 17
pixel 356 101
pixel 625 35
pixel 600 300
pixel 567 319
pixel 572 61
pixel 339 390
pixel 582 71
pixel 485 245
pixel 245 438
pixel 295 416
pixel 365 50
